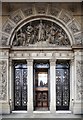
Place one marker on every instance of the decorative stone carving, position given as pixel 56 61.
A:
pixel 41 32
pixel 41 8
pixel 65 17
pixel 4 40
pixel 79 39
pixel 3 80
pixel 28 11
pixel 16 18
pixel 8 27
pixel 79 74
pixel 53 10
pixel 74 27
pixel 20 39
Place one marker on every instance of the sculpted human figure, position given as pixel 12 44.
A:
pixel 50 34
pixel 41 31
pixel 29 34
pixel 20 38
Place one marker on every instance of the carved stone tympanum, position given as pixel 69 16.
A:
pixel 41 32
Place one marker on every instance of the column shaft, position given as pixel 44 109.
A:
pixel 52 86
pixel 30 85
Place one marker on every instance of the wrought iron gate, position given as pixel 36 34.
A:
pixel 20 86
pixel 62 85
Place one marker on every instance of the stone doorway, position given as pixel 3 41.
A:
pixel 41 85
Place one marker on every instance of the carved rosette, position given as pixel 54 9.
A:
pixel 3 80
pixel 79 84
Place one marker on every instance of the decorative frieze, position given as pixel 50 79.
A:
pixel 79 81
pixel 4 54
pixel 3 80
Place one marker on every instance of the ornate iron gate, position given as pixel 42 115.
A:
pixel 62 85
pixel 20 86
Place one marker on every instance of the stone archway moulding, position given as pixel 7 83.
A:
pixel 20 17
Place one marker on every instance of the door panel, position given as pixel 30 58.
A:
pixel 42 99
pixel 20 86
pixel 62 86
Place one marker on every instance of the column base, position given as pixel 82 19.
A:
pixel 4 108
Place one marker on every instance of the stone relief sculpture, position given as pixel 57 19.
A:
pixel 20 39
pixel 43 32
pixel 79 80
pixel 3 80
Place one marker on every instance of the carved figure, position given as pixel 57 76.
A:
pixel 29 34
pixel 41 31
pixel 20 38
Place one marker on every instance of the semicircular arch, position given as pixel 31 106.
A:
pixel 68 24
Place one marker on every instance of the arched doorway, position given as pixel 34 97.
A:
pixel 43 36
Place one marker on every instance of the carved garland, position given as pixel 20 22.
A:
pixel 79 74
pixel 3 80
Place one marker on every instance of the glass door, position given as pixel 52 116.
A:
pixel 41 89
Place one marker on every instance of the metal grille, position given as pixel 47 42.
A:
pixel 62 86
pixel 20 86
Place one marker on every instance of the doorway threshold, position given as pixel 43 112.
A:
pixel 20 111
pixel 63 111
pixel 41 111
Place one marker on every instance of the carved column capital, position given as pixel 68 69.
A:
pixel 72 61
pixel 10 62
pixel 52 61
pixel 29 61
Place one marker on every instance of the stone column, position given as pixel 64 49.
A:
pixel 52 86
pixel 30 85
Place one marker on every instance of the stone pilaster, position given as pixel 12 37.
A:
pixel 11 84
pixel 52 86
pixel 30 86
pixel 72 84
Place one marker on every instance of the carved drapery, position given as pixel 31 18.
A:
pixel 3 80
pixel 79 74
pixel 41 32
